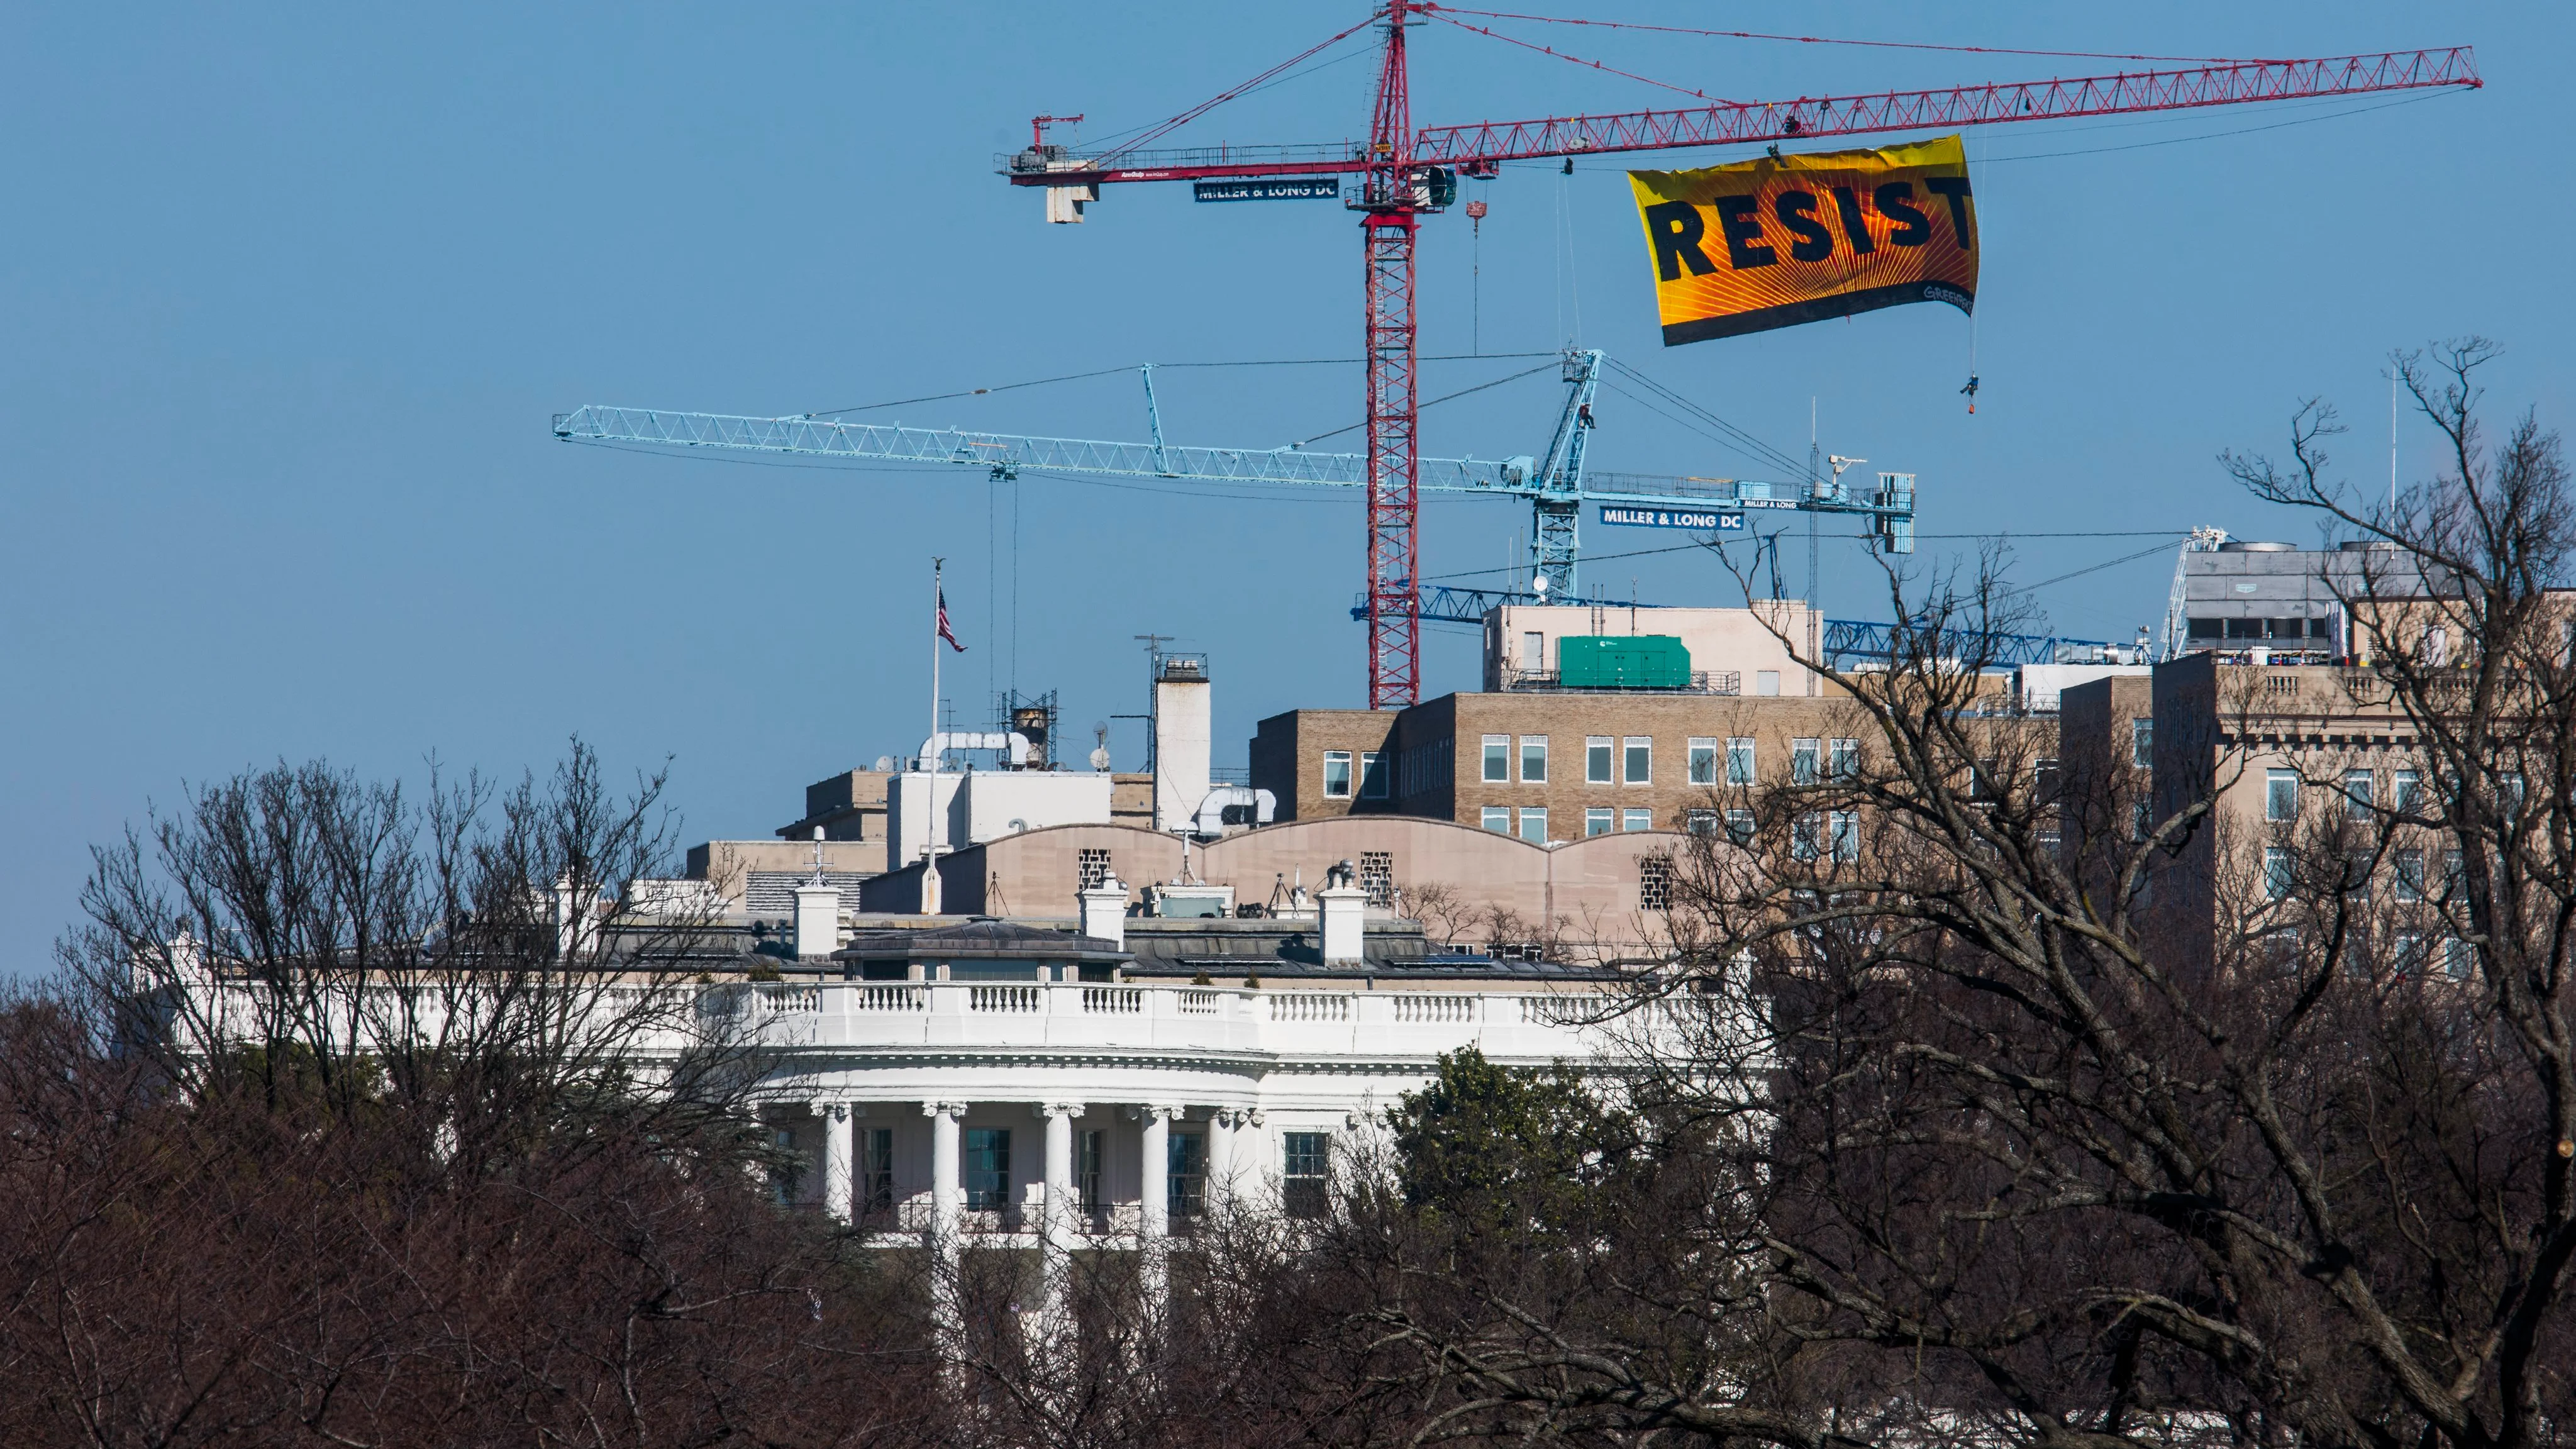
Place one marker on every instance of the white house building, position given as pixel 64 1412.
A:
pixel 1029 1085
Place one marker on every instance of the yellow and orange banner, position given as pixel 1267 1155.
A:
pixel 1790 239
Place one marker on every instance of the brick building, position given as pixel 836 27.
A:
pixel 1550 765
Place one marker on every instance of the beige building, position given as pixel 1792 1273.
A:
pixel 1549 766
pixel 1737 650
pixel 1596 900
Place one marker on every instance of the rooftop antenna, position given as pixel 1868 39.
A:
pixel 2392 446
pixel 1100 745
pixel 1153 658
pixel 1815 490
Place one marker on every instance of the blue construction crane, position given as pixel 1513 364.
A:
pixel 1555 485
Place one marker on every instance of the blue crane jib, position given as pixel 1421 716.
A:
pixel 1555 484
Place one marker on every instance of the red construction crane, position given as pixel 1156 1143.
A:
pixel 1405 173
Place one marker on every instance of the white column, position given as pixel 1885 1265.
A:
pixel 1220 1173
pixel 1154 1216
pixel 947 1201
pixel 1057 1226
pixel 837 1175
pixel 1055 1237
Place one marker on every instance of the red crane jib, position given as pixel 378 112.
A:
pixel 1493 142
pixel 1396 156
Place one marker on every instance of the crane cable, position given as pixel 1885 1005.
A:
pixel 1443 12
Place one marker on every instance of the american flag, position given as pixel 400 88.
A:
pixel 944 631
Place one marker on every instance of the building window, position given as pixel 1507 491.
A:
pixel 2456 960
pixel 1843 759
pixel 988 1169
pixel 1766 681
pixel 1636 819
pixel 1805 837
pixel 1655 883
pixel 1739 826
pixel 2142 739
pixel 2509 797
pixel 2404 949
pixel 1533 759
pixel 1377 877
pixel 2409 883
pixel 1846 838
pixel 1703 761
pixel 2402 791
pixel 1090 867
pixel 1640 752
pixel 1185 1174
pixel 1498 818
pixel 2142 821
pixel 1309 1169
pixel 1498 759
pixel 1701 822
pixel 1372 776
pixel 1596 820
pixel 1337 774
pixel 1534 826
pixel 876 1170
pixel 2454 884
pixel 2276 873
pixel 2356 792
pixel 1596 759
pixel 2356 874
pixel 2280 794
pixel 1739 761
pixel 1802 762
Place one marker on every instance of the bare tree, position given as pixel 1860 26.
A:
pixel 2093 1111
pixel 481 963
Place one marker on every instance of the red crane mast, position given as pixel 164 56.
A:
pixel 1405 173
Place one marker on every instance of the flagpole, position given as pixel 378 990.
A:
pixel 930 859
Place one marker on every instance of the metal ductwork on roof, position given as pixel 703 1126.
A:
pixel 1015 744
pixel 1241 800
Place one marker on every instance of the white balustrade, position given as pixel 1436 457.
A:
pixel 1415 1007
pixel 1002 998
pixel 776 999
pixel 1113 1000
pixel 1199 1002
pixel 883 997
pixel 1310 1006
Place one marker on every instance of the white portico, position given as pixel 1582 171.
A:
pixel 1016 1085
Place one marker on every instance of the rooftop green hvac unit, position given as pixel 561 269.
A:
pixel 1622 661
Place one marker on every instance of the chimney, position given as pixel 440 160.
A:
pixel 1181 739
pixel 818 911
pixel 1343 906
pixel 1104 912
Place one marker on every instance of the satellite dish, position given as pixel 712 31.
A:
pixel 1100 759
pixel 885 764
pixel 1539 586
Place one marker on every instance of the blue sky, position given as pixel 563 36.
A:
pixel 289 295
